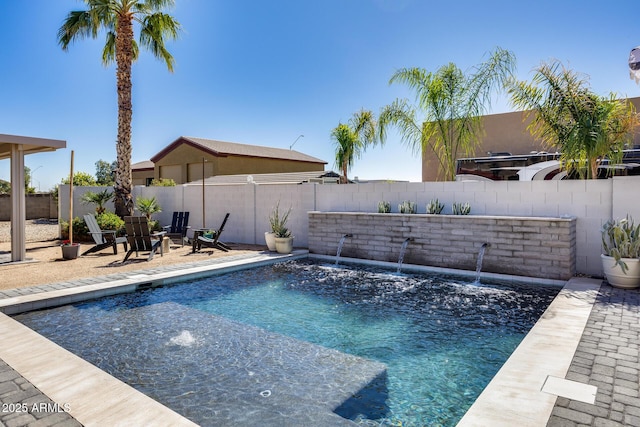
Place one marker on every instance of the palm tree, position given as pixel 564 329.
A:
pixel 451 103
pixel 148 206
pixel 584 126
pixel 351 140
pixel 99 199
pixel 117 18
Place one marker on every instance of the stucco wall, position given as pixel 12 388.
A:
pixel 523 246
pixel 591 202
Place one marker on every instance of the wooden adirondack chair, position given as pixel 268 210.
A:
pixel 140 238
pixel 213 241
pixel 179 226
pixel 102 238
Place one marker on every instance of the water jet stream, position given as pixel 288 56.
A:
pixel 479 262
pixel 402 251
pixel 340 244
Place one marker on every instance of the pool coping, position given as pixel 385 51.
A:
pixel 509 398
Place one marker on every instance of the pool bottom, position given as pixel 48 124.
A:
pixel 246 375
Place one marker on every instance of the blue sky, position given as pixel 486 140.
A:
pixel 264 72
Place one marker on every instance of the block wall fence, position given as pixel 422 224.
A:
pixel 590 202
pixel 37 206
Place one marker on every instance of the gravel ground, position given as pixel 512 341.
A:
pixel 43 247
pixel 36 230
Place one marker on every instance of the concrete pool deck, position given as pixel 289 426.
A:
pixel 584 347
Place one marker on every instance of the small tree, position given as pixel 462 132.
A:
pixel 105 172
pixel 352 139
pixel 584 126
pixel 148 206
pixel 99 199
pixel 451 103
pixel 81 179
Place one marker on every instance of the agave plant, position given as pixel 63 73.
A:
pixel 621 239
pixel 278 222
pixel 407 207
pixel 384 207
pixel 461 208
pixel 434 207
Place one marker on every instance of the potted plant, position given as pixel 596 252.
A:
pixel 70 250
pixel 621 253
pixel 284 241
pixel 277 222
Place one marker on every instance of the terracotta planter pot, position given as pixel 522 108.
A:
pixel 70 251
pixel 616 277
pixel 270 239
pixel 284 245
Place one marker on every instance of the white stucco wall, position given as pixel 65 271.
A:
pixel 592 202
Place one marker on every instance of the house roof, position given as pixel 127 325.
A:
pixel 271 178
pixel 223 149
pixel 144 165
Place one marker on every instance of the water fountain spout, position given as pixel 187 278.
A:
pixel 340 244
pixel 483 248
pixel 403 249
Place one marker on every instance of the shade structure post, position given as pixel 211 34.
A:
pixel 18 205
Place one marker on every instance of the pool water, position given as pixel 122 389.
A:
pixel 441 338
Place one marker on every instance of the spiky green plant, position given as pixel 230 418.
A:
pixel 621 239
pixel 278 222
pixel 407 207
pixel 461 208
pixel 384 207
pixel 434 207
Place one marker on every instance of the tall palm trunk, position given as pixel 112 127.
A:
pixel 345 170
pixel 124 59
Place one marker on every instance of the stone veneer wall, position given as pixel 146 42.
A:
pixel 523 246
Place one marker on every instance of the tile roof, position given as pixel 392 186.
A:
pixel 145 164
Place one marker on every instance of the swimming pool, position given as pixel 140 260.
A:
pixel 441 339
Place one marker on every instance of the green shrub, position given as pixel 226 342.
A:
pixel 80 230
pixel 154 225
pixel 111 221
pixel 106 221
pixel 163 182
